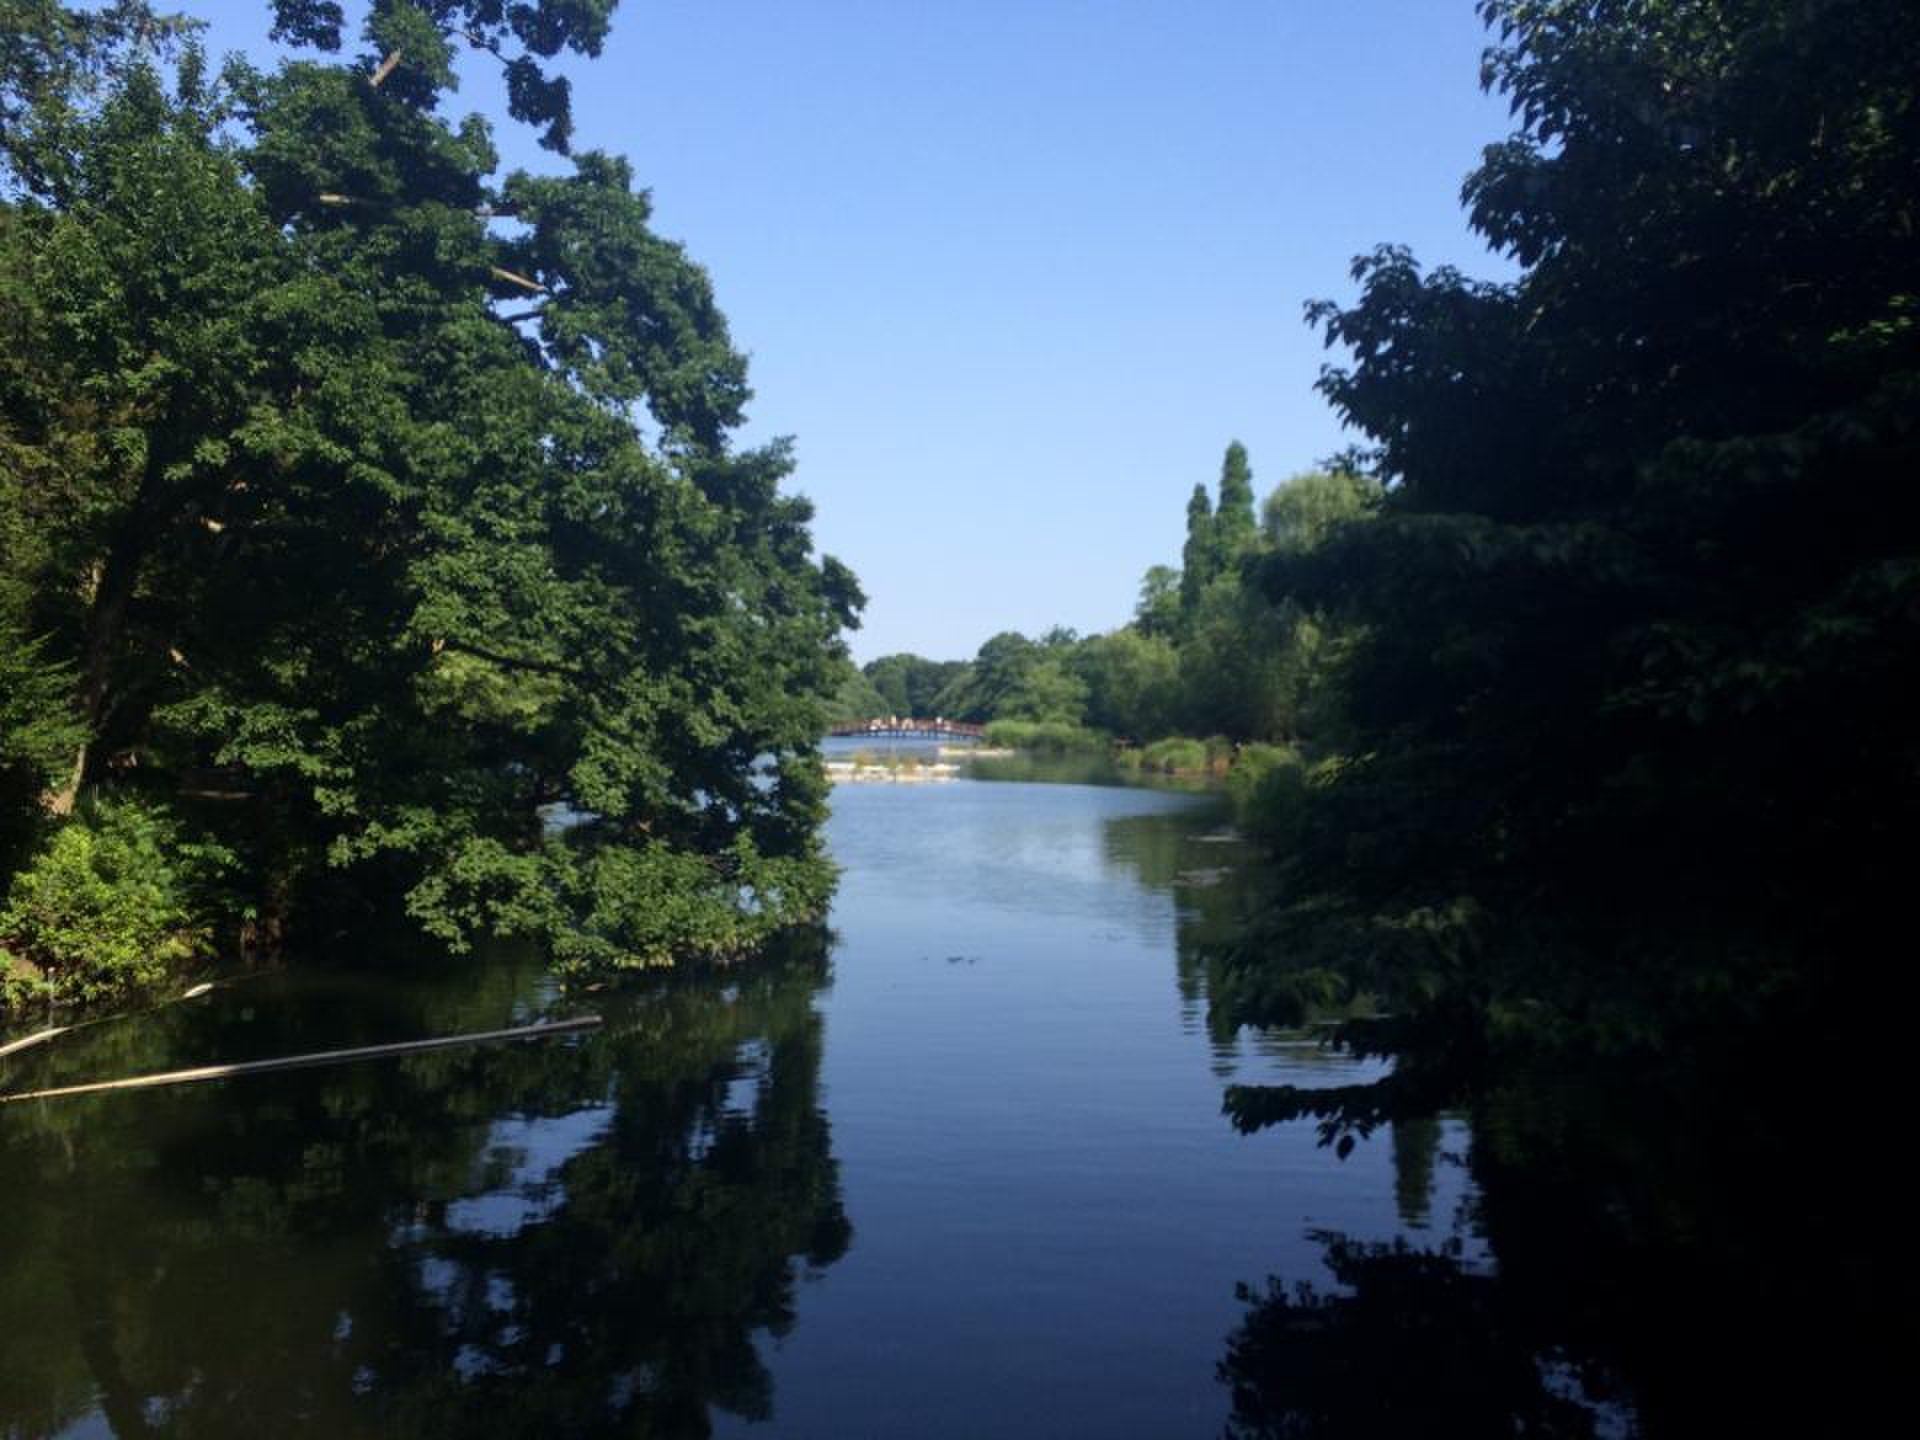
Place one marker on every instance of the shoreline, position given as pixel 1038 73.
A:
pixel 847 773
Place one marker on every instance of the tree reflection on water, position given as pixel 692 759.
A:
pixel 1633 1260
pixel 450 1244
pixel 1670 1254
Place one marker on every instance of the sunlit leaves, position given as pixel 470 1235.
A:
pixel 394 576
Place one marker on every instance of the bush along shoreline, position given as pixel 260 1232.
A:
pixel 1265 785
pixel 119 902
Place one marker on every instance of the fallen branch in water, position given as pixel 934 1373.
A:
pixel 299 1062
pixel 39 1037
pixel 28 1041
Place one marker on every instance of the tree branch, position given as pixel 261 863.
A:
pixel 386 69
pixel 511 278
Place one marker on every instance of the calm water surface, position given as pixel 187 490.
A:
pixel 960 1172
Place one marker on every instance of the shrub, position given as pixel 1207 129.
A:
pixel 20 987
pixel 1176 755
pixel 110 904
pixel 1250 770
pixel 1050 737
pixel 1271 787
pixel 1261 776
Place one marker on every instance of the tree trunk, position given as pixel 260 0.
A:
pixel 105 626
pixel 111 582
pixel 61 801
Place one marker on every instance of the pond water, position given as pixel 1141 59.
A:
pixel 959 1170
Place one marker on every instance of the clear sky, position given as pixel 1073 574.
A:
pixel 1014 272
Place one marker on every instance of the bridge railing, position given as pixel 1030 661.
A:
pixel 897 727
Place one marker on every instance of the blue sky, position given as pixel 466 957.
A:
pixel 1013 274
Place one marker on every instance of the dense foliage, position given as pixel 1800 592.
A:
pixel 1208 651
pixel 373 515
pixel 117 898
pixel 1619 825
pixel 1625 782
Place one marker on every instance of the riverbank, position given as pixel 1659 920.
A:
pixel 1264 785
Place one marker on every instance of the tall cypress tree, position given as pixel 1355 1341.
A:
pixel 1234 529
pixel 1199 557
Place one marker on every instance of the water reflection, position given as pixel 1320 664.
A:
pixel 1408 1341
pixel 578 1237
pixel 615 1234
pixel 1218 881
pixel 1416 1148
pixel 1635 1259
pixel 1376 1337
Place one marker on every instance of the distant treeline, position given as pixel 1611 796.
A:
pixel 1208 652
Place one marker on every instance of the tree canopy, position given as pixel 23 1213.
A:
pixel 377 514
pixel 1625 787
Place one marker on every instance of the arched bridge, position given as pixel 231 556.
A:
pixel 893 727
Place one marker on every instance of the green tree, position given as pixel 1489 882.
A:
pixel 858 698
pixel 1244 663
pixel 1304 512
pixel 39 735
pixel 1132 683
pixel 1047 690
pixel 1626 794
pixel 1234 531
pixel 1157 612
pixel 341 515
pixel 912 684
pixel 1199 556
pixel 891 678
pixel 416 41
pixel 54 61
pixel 997 672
